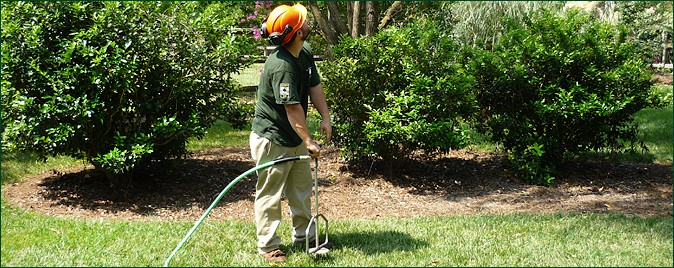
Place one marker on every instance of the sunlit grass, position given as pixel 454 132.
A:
pixel 249 76
pixel 221 134
pixel 31 239
pixel 17 166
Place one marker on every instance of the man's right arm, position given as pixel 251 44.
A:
pixel 297 120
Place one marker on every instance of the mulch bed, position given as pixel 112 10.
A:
pixel 457 183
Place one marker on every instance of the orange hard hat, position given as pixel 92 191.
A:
pixel 283 22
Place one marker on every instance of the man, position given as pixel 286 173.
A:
pixel 279 129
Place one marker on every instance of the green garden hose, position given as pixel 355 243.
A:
pixel 217 199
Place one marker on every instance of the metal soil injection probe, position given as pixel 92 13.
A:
pixel 317 248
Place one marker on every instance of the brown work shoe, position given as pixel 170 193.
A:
pixel 276 255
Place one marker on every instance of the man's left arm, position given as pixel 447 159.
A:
pixel 318 99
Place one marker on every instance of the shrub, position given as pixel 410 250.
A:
pixel 559 85
pixel 116 83
pixel 390 97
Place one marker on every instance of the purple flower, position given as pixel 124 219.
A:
pixel 257 34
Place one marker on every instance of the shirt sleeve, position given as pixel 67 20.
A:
pixel 315 77
pixel 285 88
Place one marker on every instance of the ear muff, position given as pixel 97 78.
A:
pixel 276 38
pixel 263 29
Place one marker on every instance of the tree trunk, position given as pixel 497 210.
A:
pixel 389 14
pixel 327 29
pixel 664 48
pixel 332 25
pixel 372 18
pixel 349 15
pixel 335 18
pixel 356 20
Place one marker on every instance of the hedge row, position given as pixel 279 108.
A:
pixel 554 87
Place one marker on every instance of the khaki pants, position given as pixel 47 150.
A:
pixel 292 179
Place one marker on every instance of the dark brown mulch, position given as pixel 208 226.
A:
pixel 461 182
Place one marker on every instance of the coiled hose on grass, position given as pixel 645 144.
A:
pixel 217 199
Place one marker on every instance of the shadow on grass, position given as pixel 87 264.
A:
pixel 376 242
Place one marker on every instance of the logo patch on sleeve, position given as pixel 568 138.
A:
pixel 284 91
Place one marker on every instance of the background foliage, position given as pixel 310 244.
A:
pixel 480 23
pixel 647 23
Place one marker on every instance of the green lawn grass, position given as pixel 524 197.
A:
pixel 30 239
pixel 17 166
pixel 249 76
pixel 221 134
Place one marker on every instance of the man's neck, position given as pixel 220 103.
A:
pixel 295 48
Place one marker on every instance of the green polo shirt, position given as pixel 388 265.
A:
pixel 284 80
